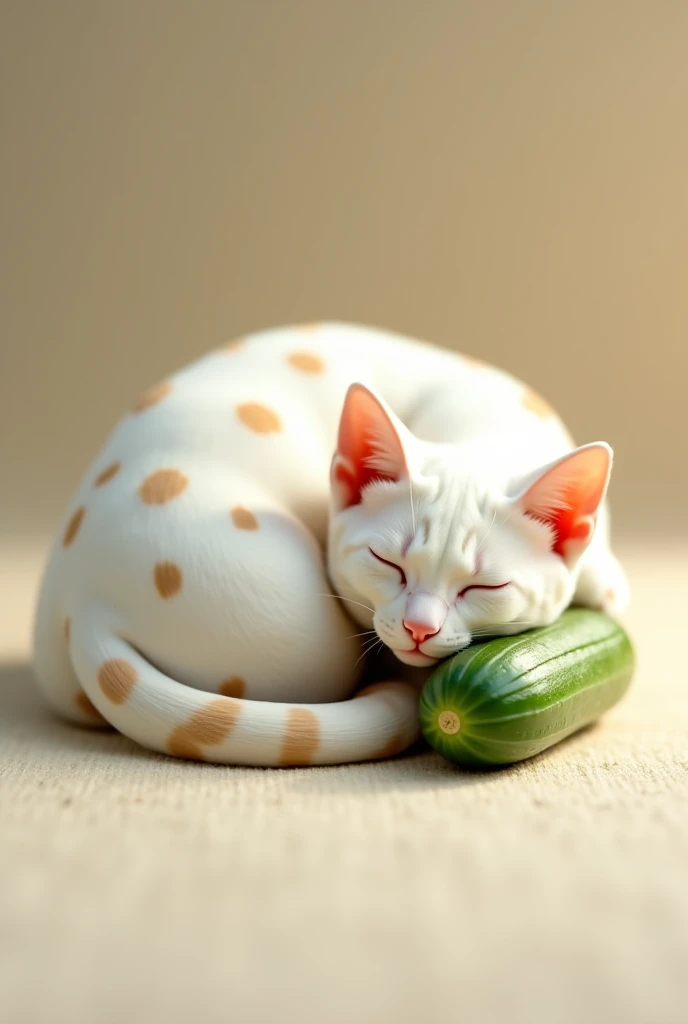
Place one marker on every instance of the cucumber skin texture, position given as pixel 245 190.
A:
pixel 516 696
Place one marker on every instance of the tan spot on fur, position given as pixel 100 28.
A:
pixel 168 579
pixel 243 519
pixel 259 418
pixel 107 474
pixel 477 364
pixel 73 526
pixel 235 686
pixel 67 628
pixel 315 326
pixel 393 747
pixel 117 678
pixel 609 596
pixel 87 708
pixel 234 346
pixel 162 486
pixel 301 738
pixel 153 396
pixel 536 404
pixel 207 727
pixel 179 746
pixel 307 362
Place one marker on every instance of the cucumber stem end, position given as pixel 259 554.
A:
pixel 449 722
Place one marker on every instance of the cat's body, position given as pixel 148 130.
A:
pixel 186 595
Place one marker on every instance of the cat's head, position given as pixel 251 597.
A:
pixel 433 553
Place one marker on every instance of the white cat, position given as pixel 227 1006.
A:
pixel 187 603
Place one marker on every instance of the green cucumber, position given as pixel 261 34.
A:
pixel 507 699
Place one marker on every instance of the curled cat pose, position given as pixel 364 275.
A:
pixel 187 601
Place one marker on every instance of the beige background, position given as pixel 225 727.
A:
pixel 508 178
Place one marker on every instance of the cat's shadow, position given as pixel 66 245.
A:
pixel 34 729
pixel 31 725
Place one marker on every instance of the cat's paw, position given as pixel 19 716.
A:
pixel 616 598
pixel 602 585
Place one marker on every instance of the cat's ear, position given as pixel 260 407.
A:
pixel 369 446
pixel 566 496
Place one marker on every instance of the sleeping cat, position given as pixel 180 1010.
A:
pixel 188 603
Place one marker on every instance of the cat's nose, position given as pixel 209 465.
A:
pixel 425 615
pixel 419 631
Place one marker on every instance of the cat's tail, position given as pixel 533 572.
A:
pixel 165 715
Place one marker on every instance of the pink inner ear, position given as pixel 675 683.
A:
pixel 368 446
pixel 568 495
pixel 568 530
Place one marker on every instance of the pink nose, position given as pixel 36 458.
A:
pixel 420 631
pixel 425 615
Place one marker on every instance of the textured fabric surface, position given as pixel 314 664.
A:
pixel 137 888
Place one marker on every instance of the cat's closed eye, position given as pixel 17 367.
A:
pixel 392 565
pixel 481 586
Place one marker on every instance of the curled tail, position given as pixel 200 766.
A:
pixel 165 715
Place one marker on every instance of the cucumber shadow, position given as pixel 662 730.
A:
pixel 421 768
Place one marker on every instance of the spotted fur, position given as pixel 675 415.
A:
pixel 188 602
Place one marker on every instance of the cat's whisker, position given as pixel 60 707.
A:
pixel 506 519
pixel 366 632
pixel 340 598
pixel 371 643
pixel 502 523
pixel 481 631
pixel 479 548
pixel 497 625
pixel 367 649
